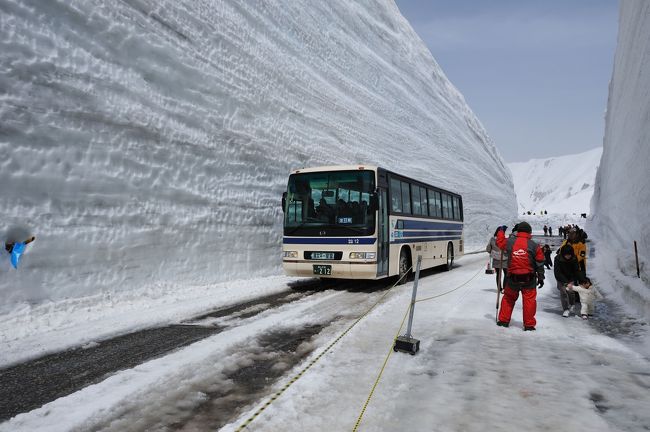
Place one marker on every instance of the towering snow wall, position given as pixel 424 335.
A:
pixel 621 202
pixel 146 143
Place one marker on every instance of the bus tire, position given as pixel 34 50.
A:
pixel 450 257
pixel 404 266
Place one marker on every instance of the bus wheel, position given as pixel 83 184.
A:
pixel 404 266
pixel 450 257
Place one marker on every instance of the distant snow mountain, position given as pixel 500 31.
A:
pixel 562 184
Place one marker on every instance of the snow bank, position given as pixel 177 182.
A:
pixel 622 195
pixel 147 144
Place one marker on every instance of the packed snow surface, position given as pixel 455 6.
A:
pixel 146 144
pixel 563 184
pixel 469 374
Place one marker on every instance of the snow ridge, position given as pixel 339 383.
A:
pixel 562 185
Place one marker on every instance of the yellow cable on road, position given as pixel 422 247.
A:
pixel 381 371
pixel 311 363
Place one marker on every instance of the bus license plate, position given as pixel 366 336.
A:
pixel 322 269
pixel 322 255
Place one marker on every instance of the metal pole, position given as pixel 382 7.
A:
pixel 499 275
pixel 636 254
pixel 415 290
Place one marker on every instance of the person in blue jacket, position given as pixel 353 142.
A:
pixel 16 250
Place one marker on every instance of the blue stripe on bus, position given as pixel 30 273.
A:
pixel 423 240
pixel 329 240
pixel 413 224
pixel 429 233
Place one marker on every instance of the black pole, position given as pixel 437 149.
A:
pixel 499 275
pixel 636 254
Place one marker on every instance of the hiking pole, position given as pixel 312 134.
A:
pixel 499 286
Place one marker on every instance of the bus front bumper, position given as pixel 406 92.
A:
pixel 339 270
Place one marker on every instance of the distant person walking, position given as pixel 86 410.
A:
pixel 548 263
pixel 550 231
pixel 499 260
pixel 545 230
pixel 525 272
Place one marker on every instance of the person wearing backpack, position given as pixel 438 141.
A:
pixel 497 255
pixel 525 274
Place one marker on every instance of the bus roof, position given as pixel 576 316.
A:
pixel 335 168
pixel 366 167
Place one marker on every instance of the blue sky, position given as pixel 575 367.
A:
pixel 536 73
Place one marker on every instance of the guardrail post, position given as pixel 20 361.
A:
pixel 407 343
pixel 636 254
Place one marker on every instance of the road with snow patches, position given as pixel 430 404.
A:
pixel 29 385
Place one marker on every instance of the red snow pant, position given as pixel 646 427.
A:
pixel 510 296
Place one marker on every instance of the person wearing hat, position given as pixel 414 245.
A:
pixel 579 248
pixel 567 271
pixel 525 273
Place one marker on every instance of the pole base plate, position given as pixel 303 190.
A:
pixel 407 344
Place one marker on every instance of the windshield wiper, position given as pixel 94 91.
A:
pixel 302 224
pixel 353 229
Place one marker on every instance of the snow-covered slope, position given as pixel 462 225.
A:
pixel 146 144
pixel 621 202
pixel 563 184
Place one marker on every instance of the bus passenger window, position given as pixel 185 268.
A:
pixel 446 208
pixel 417 208
pixel 456 207
pixel 395 196
pixel 406 198
pixel 434 204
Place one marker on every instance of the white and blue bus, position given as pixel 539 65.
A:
pixel 365 222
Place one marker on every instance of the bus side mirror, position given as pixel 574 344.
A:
pixel 284 201
pixel 374 202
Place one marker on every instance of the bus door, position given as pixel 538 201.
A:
pixel 383 237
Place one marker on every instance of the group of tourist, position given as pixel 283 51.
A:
pixel 519 263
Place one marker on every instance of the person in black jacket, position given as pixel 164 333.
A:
pixel 567 272
pixel 548 263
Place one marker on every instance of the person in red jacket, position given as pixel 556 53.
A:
pixel 525 272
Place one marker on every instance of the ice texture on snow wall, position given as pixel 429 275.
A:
pixel 146 144
pixel 622 196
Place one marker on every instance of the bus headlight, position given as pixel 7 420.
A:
pixel 290 254
pixel 363 255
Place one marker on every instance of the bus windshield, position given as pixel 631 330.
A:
pixel 337 200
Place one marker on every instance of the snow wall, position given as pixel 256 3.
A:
pixel 621 201
pixel 147 143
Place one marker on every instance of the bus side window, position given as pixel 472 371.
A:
pixel 406 198
pixel 446 210
pixel 456 208
pixel 395 195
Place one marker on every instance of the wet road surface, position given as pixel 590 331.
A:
pixel 31 384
